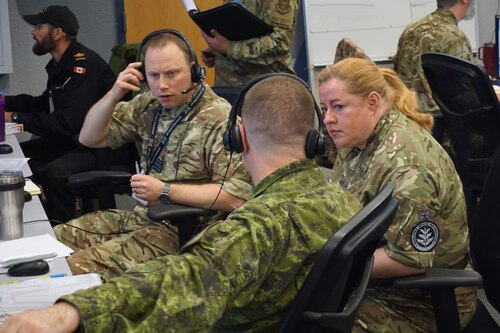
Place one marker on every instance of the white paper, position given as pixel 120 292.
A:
pixel 41 292
pixel 30 247
pixel 189 5
pixel 12 163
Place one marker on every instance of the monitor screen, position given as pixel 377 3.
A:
pixel 497 43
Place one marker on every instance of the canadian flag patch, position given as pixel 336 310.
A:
pixel 79 70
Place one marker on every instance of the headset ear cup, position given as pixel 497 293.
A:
pixel 142 69
pixel 232 140
pixel 195 77
pixel 311 147
pixel 321 146
pixel 235 138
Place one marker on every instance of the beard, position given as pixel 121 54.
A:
pixel 46 45
pixel 471 11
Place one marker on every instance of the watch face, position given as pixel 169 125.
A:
pixel 164 198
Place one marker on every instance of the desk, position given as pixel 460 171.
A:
pixel 11 140
pixel 33 210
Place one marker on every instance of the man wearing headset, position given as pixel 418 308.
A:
pixel 178 127
pixel 241 274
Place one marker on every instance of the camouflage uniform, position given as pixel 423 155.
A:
pixel 346 48
pixel 247 59
pixel 194 155
pixel 430 226
pixel 239 275
pixel 436 32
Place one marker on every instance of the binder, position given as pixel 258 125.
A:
pixel 232 21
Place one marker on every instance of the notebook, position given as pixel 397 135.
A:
pixel 232 21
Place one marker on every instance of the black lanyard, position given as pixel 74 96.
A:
pixel 152 159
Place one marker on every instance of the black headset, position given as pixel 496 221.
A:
pixel 315 141
pixel 198 73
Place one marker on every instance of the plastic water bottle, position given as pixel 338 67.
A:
pixel 2 117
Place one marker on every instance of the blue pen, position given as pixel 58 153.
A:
pixel 57 275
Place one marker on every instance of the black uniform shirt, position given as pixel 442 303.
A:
pixel 75 83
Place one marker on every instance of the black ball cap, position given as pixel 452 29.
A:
pixel 58 16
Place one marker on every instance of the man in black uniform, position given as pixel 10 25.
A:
pixel 77 78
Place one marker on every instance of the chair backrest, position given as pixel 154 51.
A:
pixel 329 298
pixel 485 247
pixel 229 93
pixel 465 95
pixel 121 159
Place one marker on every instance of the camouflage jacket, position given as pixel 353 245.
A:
pixel 247 59
pixel 238 275
pixel 430 226
pixel 194 154
pixel 436 32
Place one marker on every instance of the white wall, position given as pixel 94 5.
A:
pixel 98 31
pixel 486 10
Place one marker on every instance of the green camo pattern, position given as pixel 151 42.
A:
pixel 436 32
pixel 239 275
pixel 247 59
pixel 193 155
pixel 429 191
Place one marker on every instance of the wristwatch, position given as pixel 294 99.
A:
pixel 164 195
pixel 13 116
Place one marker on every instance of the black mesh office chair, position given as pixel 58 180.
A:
pixel 485 247
pixel 471 110
pixel 329 298
pixel 97 195
pixel 470 107
pixel 105 184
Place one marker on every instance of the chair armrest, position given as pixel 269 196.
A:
pixel 440 283
pixel 97 177
pixel 186 218
pixel 160 212
pixel 439 277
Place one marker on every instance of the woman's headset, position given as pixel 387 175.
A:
pixel 315 140
pixel 198 73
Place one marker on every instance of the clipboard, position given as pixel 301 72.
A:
pixel 232 21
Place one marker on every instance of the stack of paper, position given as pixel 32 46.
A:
pixel 31 248
pixel 41 292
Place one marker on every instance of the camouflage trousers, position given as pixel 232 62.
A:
pixel 389 311
pixel 110 242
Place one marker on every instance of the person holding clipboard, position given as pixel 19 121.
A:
pixel 238 61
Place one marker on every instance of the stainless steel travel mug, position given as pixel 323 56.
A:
pixel 11 204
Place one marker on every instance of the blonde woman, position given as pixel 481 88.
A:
pixel 371 116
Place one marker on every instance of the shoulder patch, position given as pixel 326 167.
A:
pixel 425 236
pixel 283 7
pixel 79 70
